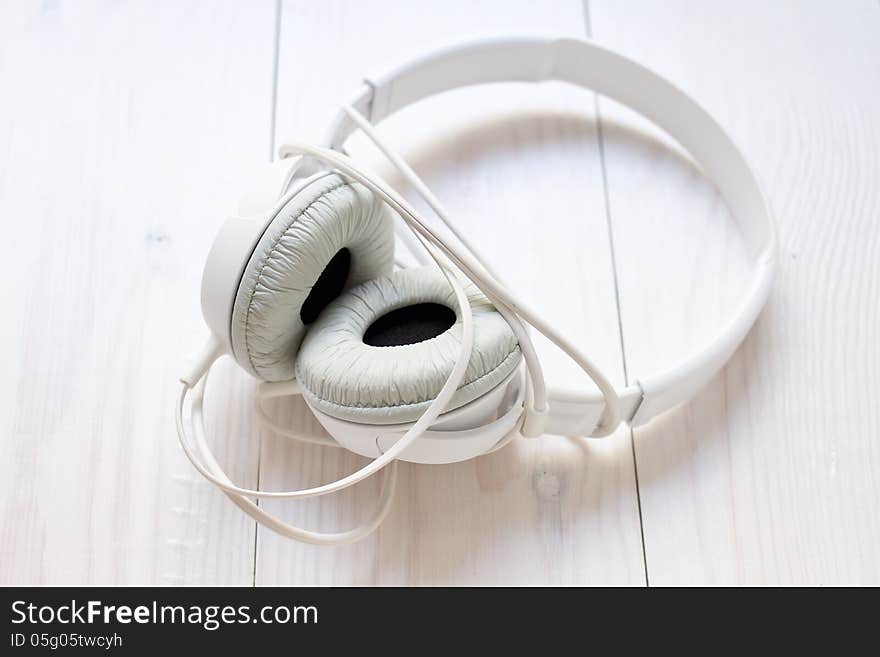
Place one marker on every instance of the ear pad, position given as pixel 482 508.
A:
pixel 380 353
pixel 331 235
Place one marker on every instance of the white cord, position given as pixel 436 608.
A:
pixel 496 293
pixel 413 178
pixel 514 311
pixel 386 494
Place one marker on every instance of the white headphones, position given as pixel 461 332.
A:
pixel 432 364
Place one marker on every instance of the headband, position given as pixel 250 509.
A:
pixel 590 66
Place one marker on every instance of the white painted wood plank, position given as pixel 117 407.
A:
pixel 769 476
pixel 124 131
pixel 521 167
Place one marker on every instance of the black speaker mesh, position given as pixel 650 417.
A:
pixel 409 325
pixel 328 286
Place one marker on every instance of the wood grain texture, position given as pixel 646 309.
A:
pixel 526 182
pixel 123 131
pixel 769 475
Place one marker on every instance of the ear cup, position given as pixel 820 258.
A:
pixel 381 352
pixel 332 234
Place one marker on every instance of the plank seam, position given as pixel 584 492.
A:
pixel 273 104
pixel 274 99
pixel 600 138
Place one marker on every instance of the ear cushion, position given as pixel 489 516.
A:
pixel 346 378
pixel 332 234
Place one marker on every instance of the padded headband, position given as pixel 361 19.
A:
pixel 592 67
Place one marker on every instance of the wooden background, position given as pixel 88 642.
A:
pixel 125 131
